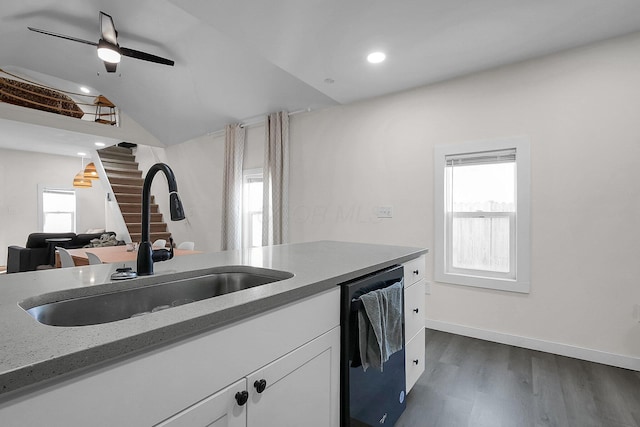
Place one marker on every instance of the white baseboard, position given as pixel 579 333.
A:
pixel 612 359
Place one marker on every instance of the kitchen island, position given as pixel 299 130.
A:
pixel 37 359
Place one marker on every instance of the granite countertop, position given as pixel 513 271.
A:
pixel 31 352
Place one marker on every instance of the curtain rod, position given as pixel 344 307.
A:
pixel 252 121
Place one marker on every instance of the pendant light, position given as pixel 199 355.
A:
pixel 90 172
pixel 79 181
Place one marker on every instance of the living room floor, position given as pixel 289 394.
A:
pixel 471 382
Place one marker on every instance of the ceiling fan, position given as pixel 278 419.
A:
pixel 108 48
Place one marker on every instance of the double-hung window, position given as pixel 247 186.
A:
pixel 252 208
pixel 482 214
pixel 58 212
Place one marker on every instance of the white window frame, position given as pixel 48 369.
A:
pixel 519 278
pixel 247 216
pixel 41 190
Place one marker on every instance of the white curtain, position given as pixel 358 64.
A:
pixel 275 212
pixel 232 187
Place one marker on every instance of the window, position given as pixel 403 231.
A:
pixel 58 214
pixel 482 214
pixel 252 208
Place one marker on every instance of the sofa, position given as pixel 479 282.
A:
pixel 36 255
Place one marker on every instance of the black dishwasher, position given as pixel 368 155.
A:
pixel 373 397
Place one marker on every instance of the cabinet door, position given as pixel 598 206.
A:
pixel 299 389
pixel 218 410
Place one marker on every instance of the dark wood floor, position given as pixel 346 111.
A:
pixel 470 382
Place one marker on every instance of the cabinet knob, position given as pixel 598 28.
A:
pixel 260 385
pixel 242 397
pixel 415 361
pixel 416 272
pixel 416 310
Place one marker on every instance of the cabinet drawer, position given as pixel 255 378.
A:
pixel 414 354
pixel 414 309
pixel 414 270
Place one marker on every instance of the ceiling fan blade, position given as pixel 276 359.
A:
pixel 145 56
pixel 62 36
pixel 107 29
pixel 111 67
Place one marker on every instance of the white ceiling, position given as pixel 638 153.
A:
pixel 239 59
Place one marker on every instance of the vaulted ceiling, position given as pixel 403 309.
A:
pixel 236 60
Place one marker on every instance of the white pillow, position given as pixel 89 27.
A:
pixel 95 230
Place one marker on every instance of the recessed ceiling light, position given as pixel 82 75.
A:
pixel 376 57
pixel 100 144
pixel 80 153
pixel 85 89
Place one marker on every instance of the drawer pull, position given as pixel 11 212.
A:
pixel 415 310
pixel 416 272
pixel 415 361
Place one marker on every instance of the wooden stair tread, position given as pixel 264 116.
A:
pixel 121 162
pixel 114 151
pixel 136 237
pixel 126 189
pixel 124 172
pixel 118 158
pixel 132 208
pixel 116 148
pixel 156 227
pixel 133 181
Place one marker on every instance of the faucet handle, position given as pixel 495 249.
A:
pixel 163 254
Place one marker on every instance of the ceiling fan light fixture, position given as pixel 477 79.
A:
pixel 108 52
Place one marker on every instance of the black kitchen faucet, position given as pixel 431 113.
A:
pixel 146 254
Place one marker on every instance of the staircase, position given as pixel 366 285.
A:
pixel 126 182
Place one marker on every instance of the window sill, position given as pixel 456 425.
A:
pixel 484 282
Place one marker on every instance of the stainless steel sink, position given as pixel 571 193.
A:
pixel 138 301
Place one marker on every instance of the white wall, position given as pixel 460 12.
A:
pixel 197 165
pixel 579 109
pixel 20 174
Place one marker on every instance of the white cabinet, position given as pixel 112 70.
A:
pixel 218 410
pixel 414 309
pixel 299 389
pixel 414 270
pixel 414 357
pixel 294 347
pixel 414 282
